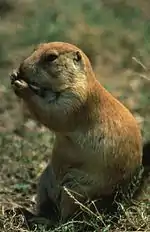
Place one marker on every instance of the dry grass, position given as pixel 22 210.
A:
pixel 119 51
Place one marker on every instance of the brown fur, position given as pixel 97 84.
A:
pixel 98 143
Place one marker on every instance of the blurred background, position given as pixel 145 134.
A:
pixel 115 34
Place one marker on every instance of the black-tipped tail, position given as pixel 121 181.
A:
pixel 146 155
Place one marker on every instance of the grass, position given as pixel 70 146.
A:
pixel 115 35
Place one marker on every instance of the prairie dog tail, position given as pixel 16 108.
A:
pixel 146 155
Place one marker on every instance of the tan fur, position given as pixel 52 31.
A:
pixel 98 143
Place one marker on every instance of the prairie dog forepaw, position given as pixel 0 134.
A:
pixel 20 87
pixel 14 76
pixel 20 84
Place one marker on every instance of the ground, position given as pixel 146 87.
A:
pixel 115 35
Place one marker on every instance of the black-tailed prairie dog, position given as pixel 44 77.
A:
pixel 98 144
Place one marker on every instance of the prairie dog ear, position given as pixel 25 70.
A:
pixel 36 47
pixel 77 56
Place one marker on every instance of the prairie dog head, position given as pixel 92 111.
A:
pixel 56 66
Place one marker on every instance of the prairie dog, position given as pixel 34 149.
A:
pixel 98 143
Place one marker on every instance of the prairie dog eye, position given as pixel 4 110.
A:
pixel 50 57
pixel 78 56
